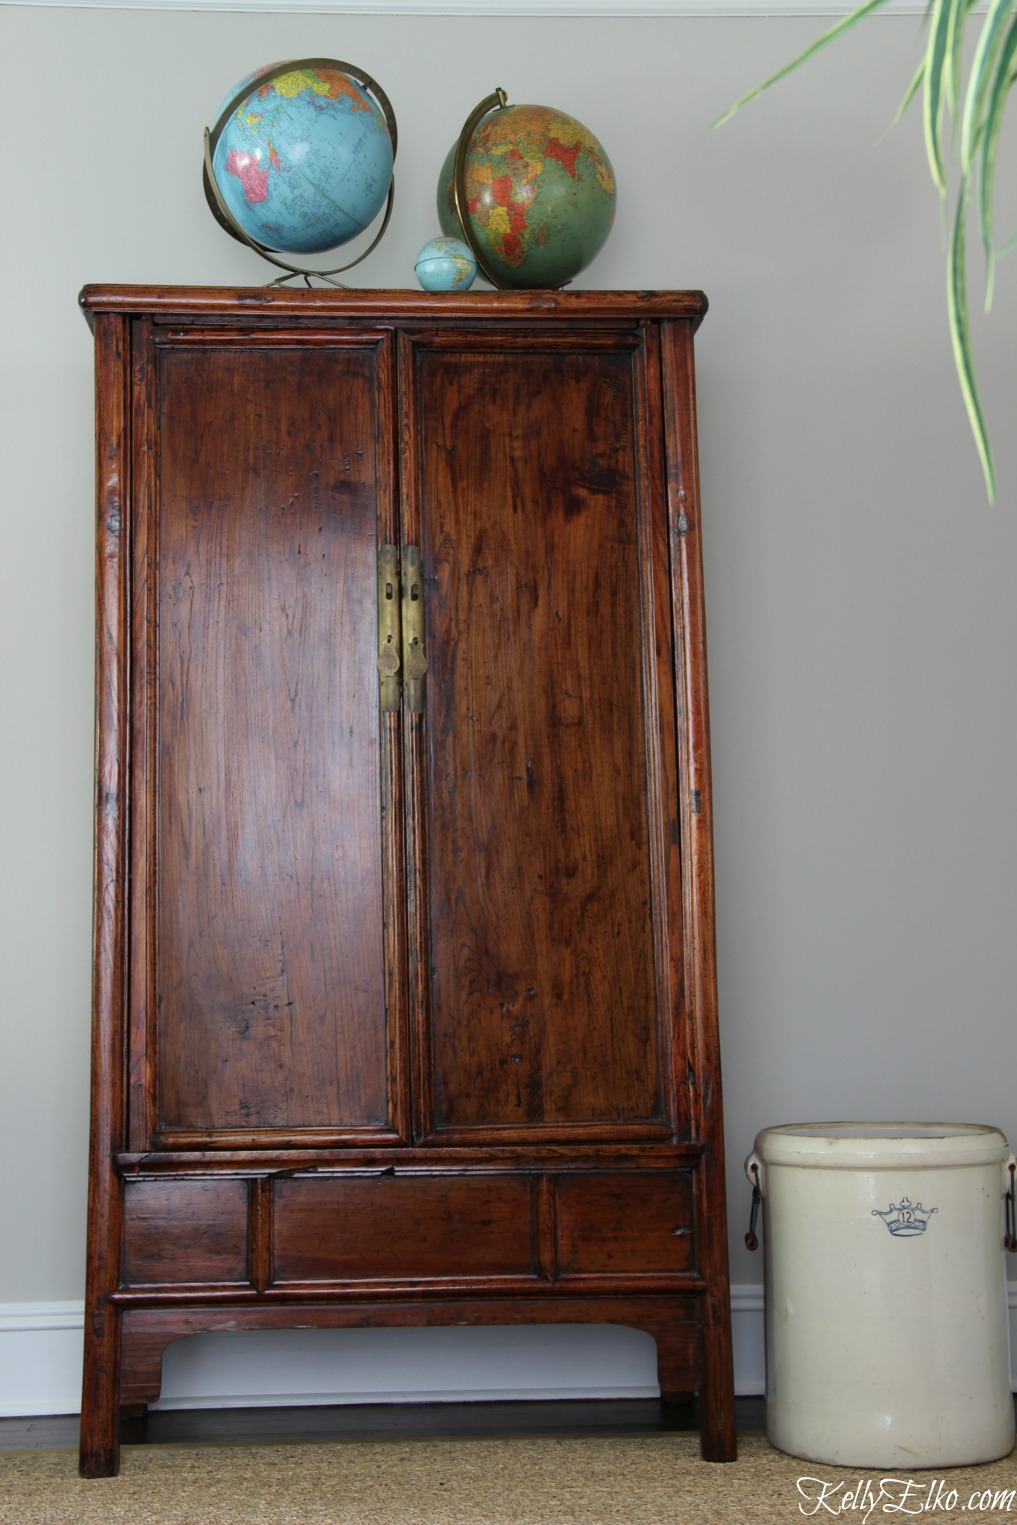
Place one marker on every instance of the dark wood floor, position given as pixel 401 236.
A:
pixel 379 1421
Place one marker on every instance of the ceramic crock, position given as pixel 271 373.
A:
pixel 886 1313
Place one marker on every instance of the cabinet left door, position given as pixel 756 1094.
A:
pixel 266 995
pixel 249 984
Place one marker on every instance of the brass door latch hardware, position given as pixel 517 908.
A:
pixel 401 628
pixel 413 629
pixel 389 627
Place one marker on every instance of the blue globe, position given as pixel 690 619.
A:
pixel 304 161
pixel 446 264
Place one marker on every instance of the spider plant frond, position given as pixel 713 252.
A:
pixel 975 116
pixel 957 310
pixel 837 30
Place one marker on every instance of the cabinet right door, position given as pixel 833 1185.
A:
pixel 546 927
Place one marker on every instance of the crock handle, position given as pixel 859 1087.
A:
pixel 754 1171
pixel 1010 1202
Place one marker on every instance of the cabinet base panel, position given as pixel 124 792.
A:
pixel 683 1355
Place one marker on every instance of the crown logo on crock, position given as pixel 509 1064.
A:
pixel 906 1219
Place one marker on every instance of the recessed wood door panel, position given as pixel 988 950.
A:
pixel 545 992
pixel 623 1223
pixel 269 965
pixel 185 1231
pixel 392 1226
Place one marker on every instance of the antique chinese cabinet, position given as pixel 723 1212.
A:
pixel 404 988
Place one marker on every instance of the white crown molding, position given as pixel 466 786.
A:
pixel 578 8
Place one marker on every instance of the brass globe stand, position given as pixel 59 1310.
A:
pixel 490 103
pixel 460 199
pixel 221 212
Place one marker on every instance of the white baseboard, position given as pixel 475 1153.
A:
pixel 40 1362
pixel 40 1358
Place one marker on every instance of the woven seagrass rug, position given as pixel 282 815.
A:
pixel 656 1480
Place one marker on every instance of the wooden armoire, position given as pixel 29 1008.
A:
pixel 404 982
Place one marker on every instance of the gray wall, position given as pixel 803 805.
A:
pixel 862 598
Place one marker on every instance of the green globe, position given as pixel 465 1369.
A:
pixel 540 196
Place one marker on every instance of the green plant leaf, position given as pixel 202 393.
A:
pixel 1002 80
pixel 837 30
pixel 957 311
pixel 976 122
pixel 911 92
pixel 978 80
pixel 959 12
pixel 937 71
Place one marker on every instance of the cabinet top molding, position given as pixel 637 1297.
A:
pixel 192 302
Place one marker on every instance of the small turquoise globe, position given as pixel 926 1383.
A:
pixel 446 264
pixel 304 161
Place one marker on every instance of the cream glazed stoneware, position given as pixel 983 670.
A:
pixel 887 1341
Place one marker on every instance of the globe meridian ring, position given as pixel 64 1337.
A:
pixel 217 203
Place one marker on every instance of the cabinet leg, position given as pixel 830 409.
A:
pixel 100 1397
pixel 718 1441
pixel 676 1362
pixel 134 1423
